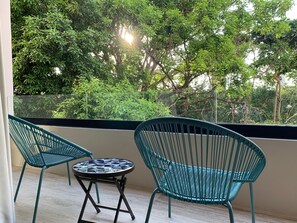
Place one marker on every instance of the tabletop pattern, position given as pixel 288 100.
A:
pixel 103 166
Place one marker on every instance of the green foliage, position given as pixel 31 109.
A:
pixel 270 16
pixel 95 100
pixel 50 49
pixel 77 47
pixel 262 104
pixel 289 106
pixel 36 106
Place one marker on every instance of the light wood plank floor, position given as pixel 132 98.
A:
pixel 60 203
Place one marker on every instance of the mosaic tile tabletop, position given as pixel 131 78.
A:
pixel 104 166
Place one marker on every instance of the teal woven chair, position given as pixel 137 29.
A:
pixel 198 161
pixel 42 149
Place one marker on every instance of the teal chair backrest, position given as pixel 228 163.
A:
pixel 33 142
pixel 197 160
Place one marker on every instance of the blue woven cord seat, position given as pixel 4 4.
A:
pixel 196 191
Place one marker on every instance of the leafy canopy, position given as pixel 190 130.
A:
pixel 93 99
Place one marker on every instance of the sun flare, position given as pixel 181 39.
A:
pixel 128 37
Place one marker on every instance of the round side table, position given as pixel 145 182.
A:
pixel 104 170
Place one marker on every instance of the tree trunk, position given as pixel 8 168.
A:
pixel 277 100
pixel 275 103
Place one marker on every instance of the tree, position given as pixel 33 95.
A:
pixel 199 38
pixel 53 44
pixel 276 60
pixel 92 99
pixel 192 39
pixel 192 52
pixel 36 106
pixel 289 108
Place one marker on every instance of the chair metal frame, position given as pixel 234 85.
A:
pixel 198 161
pixel 42 149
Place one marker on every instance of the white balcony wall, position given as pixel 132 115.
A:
pixel 275 190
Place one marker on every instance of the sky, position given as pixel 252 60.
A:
pixel 292 14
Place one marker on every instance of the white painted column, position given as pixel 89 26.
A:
pixel 5 30
pixel 7 210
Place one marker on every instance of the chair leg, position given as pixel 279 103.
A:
pixel 231 216
pixel 68 173
pixel 150 205
pixel 38 194
pixel 252 202
pixel 169 207
pixel 20 181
